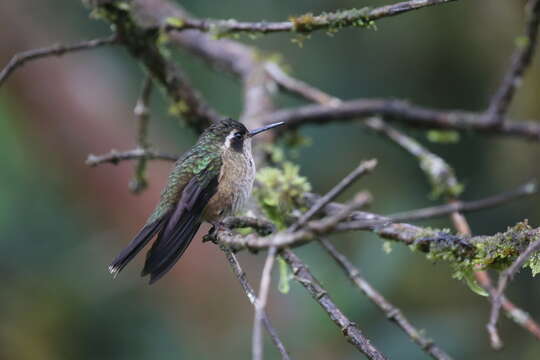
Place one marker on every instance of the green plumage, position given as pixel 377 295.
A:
pixel 205 155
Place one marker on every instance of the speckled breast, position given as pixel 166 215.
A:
pixel 234 186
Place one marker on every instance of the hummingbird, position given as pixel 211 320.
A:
pixel 209 182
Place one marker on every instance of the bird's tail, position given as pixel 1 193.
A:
pixel 136 245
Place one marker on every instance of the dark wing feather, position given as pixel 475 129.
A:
pixel 181 226
pixel 136 245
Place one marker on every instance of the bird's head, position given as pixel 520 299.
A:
pixel 233 134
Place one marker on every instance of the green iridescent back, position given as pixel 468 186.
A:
pixel 202 160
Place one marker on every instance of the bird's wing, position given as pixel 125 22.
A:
pixel 182 222
pixel 175 201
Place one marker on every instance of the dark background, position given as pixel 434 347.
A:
pixel 62 222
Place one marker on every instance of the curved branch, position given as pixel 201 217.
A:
pixel 22 58
pixel 398 110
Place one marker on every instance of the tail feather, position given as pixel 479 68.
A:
pixel 136 245
pixel 161 259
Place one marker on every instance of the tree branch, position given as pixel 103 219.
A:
pixel 302 24
pixel 250 293
pixel 507 274
pixel 362 169
pixel 260 304
pixel 318 293
pixel 397 110
pixel 18 60
pixel 143 45
pixel 114 157
pixel 392 313
pixel 142 115
pixel 521 59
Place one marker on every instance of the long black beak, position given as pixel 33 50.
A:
pixel 264 128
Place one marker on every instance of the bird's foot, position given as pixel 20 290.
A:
pixel 211 236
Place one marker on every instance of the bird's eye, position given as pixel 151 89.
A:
pixel 238 135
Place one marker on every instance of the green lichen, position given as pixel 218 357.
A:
pixel 333 21
pixel 175 21
pixel 465 257
pixel 303 23
pixel 443 136
pixel 279 191
pixel 178 108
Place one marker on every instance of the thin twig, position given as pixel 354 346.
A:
pixel 257 345
pixel 349 329
pixel 302 24
pixel 365 167
pixel 114 157
pixel 298 87
pixel 142 115
pixel 22 58
pixel 521 59
pixel 250 293
pixel 455 206
pixel 496 300
pixel 392 313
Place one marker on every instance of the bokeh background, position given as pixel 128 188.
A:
pixel 62 222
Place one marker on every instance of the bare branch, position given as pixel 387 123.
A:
pixel 362 169
pixel 302 24
pixel 527 189
pixel 318 293
pixel 392 313
pixel 260 304
pixel 504 277
pixel 142 115
pixel 22 58
pixel 521 59
pixel 250 293
pixel 114 157
pixel 402 111
pixel 298 87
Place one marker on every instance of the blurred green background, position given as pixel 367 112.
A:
pixel 62 222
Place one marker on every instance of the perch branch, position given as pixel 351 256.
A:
pixel 18 60
pixel 349 329
pixel 392 313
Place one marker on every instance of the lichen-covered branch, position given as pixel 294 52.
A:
pixel 304 24
pixel 504 277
